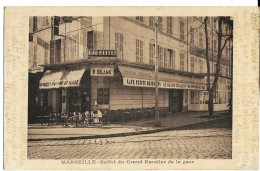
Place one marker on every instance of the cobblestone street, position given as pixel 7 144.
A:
pixel 180 144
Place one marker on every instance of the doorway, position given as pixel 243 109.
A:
pixel 175 100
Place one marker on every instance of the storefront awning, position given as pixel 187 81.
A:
pixel 145 78
pixel 69 77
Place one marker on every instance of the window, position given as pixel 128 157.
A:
pixel 215 45
pixel 73 41
pixel 215 25
pixel 46 48
pixel 192 64
pixel 103 96
pixel 171 55
pixel 35 56
pixel 181 30
pixel 200 39
pixel 191 35
pixel 201 66
pixel 227 73
pixel 139 51
pixel 34 23
pixel 151 21
pixel 209 42
pixel 169 25
pixel 151 54
pixel 161 54
pixel 181 61
pixel 119 39
pixel 226 52
pixel 90 40
pixel 45 21
pixel 139 18
pixel 166 58
pixel 57 51
pixel 195 97
pixel 160 26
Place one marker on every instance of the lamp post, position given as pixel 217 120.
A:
pixel 157 117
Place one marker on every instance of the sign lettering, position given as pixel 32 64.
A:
pixel 94 71
pixel 102 53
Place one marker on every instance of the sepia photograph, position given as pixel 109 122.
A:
pixel 130 87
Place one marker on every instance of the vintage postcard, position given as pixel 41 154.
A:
pixel 131 88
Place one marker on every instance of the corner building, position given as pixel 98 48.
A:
pixel 69 79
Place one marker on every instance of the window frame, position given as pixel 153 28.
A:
pixel 103 101
pixel 182 30
pixel 139 53
pixel 119 44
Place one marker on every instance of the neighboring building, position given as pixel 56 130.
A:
pixel 70 81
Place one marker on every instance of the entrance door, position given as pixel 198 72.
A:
pixel 176 100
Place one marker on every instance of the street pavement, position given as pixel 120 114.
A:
pixel 37 132
pixel 215 143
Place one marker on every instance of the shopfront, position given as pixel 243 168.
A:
pixel 65 89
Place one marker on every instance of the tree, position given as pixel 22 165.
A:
pixel 212 88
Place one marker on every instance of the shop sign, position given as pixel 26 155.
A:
pixel 58 84
pixel 102 53
pixel 95 71
pixel 161 84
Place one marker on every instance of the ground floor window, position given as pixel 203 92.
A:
pixel 103 96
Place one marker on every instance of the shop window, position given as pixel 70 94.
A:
pixel 151 54
pixel 119 41
pixel 181 30
pixel 192 64
pixel 169 25
pixel 139 18
pixel 181 61
pixel 139 51
pixel 103 96
pixel 195 97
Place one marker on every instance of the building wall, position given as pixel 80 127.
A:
pixel 124 97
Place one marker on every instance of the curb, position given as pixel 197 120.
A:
pixel 131 133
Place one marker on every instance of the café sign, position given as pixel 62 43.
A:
pixel 161 84
pixel 102 71
pixel 102 53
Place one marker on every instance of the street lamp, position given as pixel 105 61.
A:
pixel 157 117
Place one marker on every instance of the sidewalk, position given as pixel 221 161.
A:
pixel 36 132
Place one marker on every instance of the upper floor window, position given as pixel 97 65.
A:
pixel 34 23
pixel 46 50
pixel 139 51
pixel 34 55
pixel 151 21
pixel 191 35
pixel 181 61
pixel 161 55
pixel 73 46
pixel 192 63
pixel 200 39
pixel 119 44
pixel 181 30
pixel 151 54
pixel 160 26
pixel 45 21
pixel 209 42
pixel 171 56
pixel 201 66
pixel 139 18
pixel 169 25
pixel 90 40
pixel 215 45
